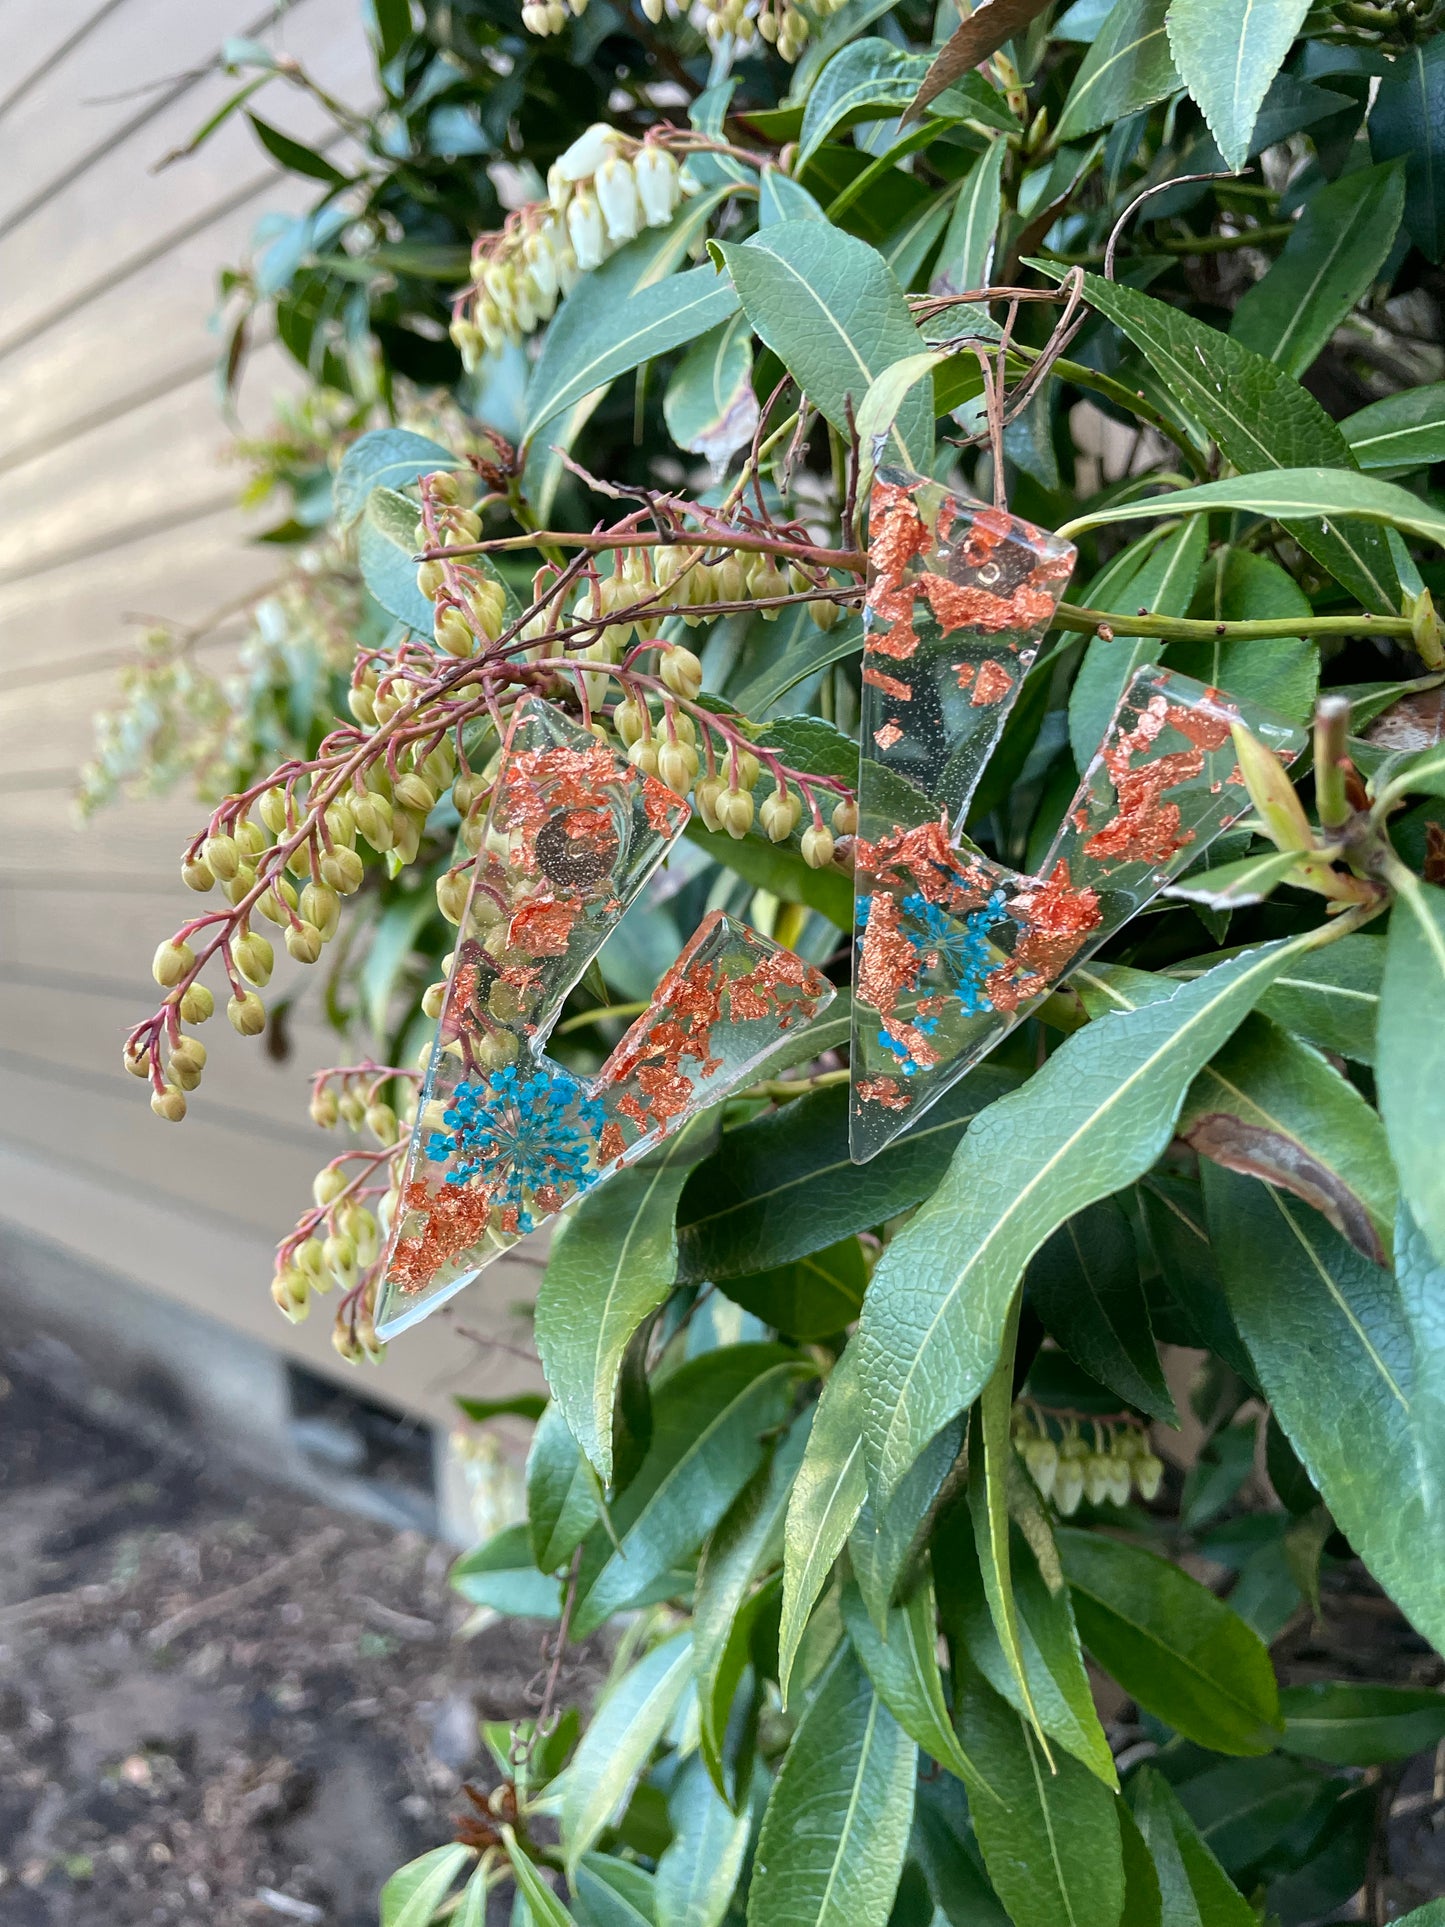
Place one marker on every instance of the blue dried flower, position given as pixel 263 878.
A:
pixel 518 1131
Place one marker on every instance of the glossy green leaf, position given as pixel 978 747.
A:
pixel 1352 1725
pixel 697 1874
pixel 709 1419
pixel 944 1847
pixel 1187 1302
pixel 1407 121
pixel 385 548
pixel 1273 1108
pixel 1195 1891
pixel 1262 419
pixel 1049 1641
pixel 1421 1279
pixel 710 408
pixel 826 1499
pixel 415 1891
pixel 1432 1914
pixel 1410 1057
pixel 1163 583
pixel 1280 672
pixel 563 1496
pixel 870 78
pixel 384 458
pixel 902 1663
pixel 807 650
pixel 1089 1122
pixel 545 1908
pixel 809 1298
pixel 828 307
pixel 528 1405
pixel 781 198
pixel 612 1263
pixel 473 1909
pixel 1330 997
pixel 777 867
pixel 1242 1808
pixel 502 1576
pixel 1233 885
pixel 886 1546
pixel 783 1186
pixel 1402 431
pixel 612 1893
pixel 295 156
pixel 747 1541
pixel 1051 1842
pixel 1172 1646
pixel 990 1467
pixel 595 1784
pixel 1228 53
pixel 1128 66
pixel 1329 262
pixel 1332 1345
pixel 1143 1904
pixel 836 1827
pixel 968 245
pixel 1084 1283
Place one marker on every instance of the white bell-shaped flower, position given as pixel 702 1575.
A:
pixel 587 153
pixel 586 230
pixel 657 188
pixel 616 189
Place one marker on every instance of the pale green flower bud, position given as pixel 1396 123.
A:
pixel 247 1014
pixel 172 961
pixel 817 846
pixel 254 958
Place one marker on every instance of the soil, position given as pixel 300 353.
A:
pixel 220 1705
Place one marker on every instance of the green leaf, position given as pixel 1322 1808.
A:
pixel 1126 68
pixel 1187 1301
pixel 697 1874
pixel 294 155
pixel 829 308
pixel 1228 53
pixel 710 408
pixel 1051 1841
pixel 944 1847
pixel 1329 262
pixel 1402 431
pixel 1084 1283
pixel 415 1891
pixel 1410 1064
pixel 545 1909
pixel 385 548
pixel 709 1417
pixel 804 653
pixel 1261 418
pixel 991 1462
pixel 1273 1108
pixel 1243 1807
pixel 473 1910
pixel 563 1498
pixel 809 1299
pixel 967 250
pixel 1421 1279
pixel 747 1541
pixel 868 79
pixel 902 1664
pixel 502 1576
pixel 1172 1646
pixel 592 342
pixel 384 458
pixel 528 1405
pixel 886 1549
pixel 610 1267
pixel 809 744
pixel 1194 1889
pixel 1233 885
pixel 1432 1914
pixel 777 867
pixel 1143 1906
pixel 983 32
pixel 1353 1725
pixel 826 1499
pixel 393 943
pixel 1163 583
pixel 781 198
pixel 1053 1663
pixel 1330 997
pixel 783 1186
pixel 1332 1345
pixel 1407 121
pixel 626 1726
pixel 1280 673
pixel 1089 1122
pixel 1291 494
pixel 612 1893
pixel 836 1826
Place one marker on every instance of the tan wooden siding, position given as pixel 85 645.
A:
pixel 116 506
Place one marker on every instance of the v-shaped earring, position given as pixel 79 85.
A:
pixel 505 1137
pixel 953 949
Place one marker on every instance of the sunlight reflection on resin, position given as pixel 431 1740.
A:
pixel 952 949
pixel 505 1138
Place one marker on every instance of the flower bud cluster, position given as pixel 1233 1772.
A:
pixel 470 604
pixel 1102 1469
pixel 776 22
pixel 601 193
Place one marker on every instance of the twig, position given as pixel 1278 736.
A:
pixel 256 1587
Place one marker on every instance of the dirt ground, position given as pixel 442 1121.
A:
pixel 225 1706
pixel 219 1705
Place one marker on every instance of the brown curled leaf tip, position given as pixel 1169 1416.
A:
pixel 982 34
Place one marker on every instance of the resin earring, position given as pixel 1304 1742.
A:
pixel 953 949
pixel 505 1138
